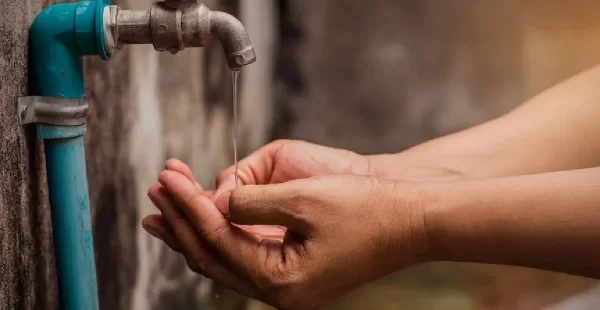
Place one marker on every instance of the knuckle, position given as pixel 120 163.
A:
pixel 238 199
pixel 302 201
pixel 193 198
pixel 298 197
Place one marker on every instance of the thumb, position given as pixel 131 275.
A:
pixel 283 204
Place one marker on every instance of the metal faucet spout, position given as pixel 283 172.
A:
pixel 234 38
pixel 173 25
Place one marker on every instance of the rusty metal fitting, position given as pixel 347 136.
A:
pixel 173 25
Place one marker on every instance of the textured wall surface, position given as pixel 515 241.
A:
pixel 27 279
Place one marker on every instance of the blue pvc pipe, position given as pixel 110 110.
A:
pixel 70 207
pixel 59 36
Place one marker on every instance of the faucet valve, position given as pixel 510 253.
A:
pixel 173 25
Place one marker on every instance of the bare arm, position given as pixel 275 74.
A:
pixel 548 221
pixel 557 130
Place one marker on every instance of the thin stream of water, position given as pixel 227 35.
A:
pixel 235 77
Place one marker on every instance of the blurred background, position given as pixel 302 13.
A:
pixel 370 76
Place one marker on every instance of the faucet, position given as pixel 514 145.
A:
pixel 172 25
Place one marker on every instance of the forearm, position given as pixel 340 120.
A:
pixel 557 130
pixel 548 221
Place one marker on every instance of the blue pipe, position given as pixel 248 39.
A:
pixel 59 36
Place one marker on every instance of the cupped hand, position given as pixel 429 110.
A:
pixel 156 224
pixel 342 231
pixel 286 160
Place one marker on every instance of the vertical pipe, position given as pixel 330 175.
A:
pixel 59 36
pixel 73 241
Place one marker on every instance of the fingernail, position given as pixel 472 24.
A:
pixel 153 232
pixel 224 198
pixel 222 204
pixel 163 175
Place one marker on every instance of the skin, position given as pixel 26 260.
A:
pixel 309 223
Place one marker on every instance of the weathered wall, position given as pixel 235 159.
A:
pixel 26 265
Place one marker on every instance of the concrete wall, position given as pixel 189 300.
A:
pixel 27 277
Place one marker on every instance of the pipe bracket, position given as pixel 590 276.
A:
pixel 52 111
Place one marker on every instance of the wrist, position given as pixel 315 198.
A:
pixel 406 168
pixel 430 212
pixel 407 204
pixel 455 219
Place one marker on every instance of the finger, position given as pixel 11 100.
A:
pixel 276 204
pixel 200 259
pixel 178 166
pixel 156 226
pixel 175 219
pixel 265 231
pixel 254 169
pixel 209 194
pixel 238 248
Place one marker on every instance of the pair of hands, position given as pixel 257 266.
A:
pixel 307 224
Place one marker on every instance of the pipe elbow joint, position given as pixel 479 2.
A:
pixel 79 26
pixel 59 35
